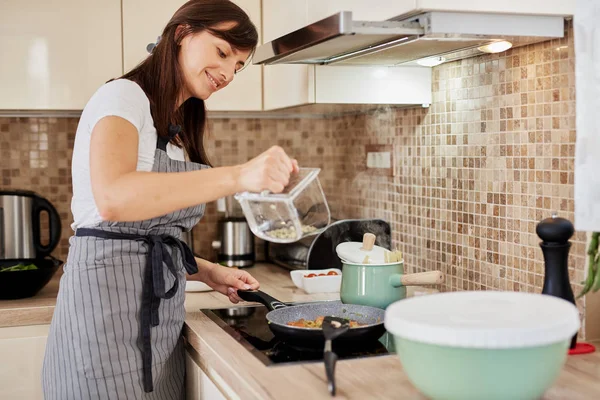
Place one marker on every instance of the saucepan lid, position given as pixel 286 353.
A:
pixel 366 252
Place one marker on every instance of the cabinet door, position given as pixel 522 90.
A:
pixel 284 16
pixel 372 10
pixel 22 353
pixel 55 54
pixel 286 85
pixel 143 22
pixel 198 384
pixel 244 93
pixel 384 9
pixel 545 7
pixel 192 378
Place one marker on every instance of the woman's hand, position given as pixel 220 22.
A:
pixel 269 171
pixel 225 280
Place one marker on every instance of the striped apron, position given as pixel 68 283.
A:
pixel 116 329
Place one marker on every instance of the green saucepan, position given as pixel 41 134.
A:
pixel 379 285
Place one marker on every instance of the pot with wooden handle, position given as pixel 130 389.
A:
pixel 378 282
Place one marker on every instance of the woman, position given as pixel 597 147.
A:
pixel 140 178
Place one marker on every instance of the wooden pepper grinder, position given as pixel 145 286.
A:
pixel 555 233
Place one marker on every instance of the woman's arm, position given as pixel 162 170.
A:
pixel 124 194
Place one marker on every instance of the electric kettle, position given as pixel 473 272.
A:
pixel 20 228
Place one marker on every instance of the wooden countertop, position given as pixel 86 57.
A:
pixel 243 376
pixel 35 310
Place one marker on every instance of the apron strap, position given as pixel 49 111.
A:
pixel 154 283
pixel 161 142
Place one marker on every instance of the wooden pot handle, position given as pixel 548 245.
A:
pixel 423 278
pixel 368 242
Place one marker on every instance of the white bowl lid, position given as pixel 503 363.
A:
pixel 483 319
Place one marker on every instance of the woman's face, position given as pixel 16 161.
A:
pixel 208 63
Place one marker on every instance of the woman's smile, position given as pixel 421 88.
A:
pixel 213 82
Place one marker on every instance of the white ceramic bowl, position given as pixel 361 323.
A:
pixel 317 284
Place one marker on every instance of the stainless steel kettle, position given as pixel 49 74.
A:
pixel 20 228
pixel 235 246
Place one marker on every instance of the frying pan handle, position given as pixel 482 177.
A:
pixel 330 359
pixel 421 278
pixel 261 297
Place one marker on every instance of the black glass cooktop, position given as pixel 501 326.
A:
pixel 248 325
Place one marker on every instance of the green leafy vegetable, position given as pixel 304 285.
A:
pixel 593 279
pixel 19 267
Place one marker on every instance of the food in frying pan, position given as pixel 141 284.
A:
pixel 286 233
pixel 317 323
pixel 330 273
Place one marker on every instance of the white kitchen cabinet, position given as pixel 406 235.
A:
pixel 198 385
pixel 143 22
pixel 55 54
pixel 284 16
pixel 285 85
pixel 372 10
pixel 22 353
pixel 544 7
pixel 294 85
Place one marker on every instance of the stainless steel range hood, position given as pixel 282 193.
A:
pixel 340 40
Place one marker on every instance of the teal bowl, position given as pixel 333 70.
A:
pixel 452 373
pixel 482 345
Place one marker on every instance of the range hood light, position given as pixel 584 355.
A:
pixel 496 47
pixel 431 61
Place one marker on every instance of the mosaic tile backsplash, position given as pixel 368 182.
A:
pixel 473 173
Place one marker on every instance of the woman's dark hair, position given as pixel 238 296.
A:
pixel 161 78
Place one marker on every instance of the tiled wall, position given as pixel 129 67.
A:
pixel 474 173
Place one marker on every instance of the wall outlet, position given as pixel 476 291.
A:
pixel 380 159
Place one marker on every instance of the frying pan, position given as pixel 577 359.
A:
pixel 280 314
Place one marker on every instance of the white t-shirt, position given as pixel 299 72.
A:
pixel 122 98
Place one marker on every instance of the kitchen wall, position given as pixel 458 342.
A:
pixel 474 173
